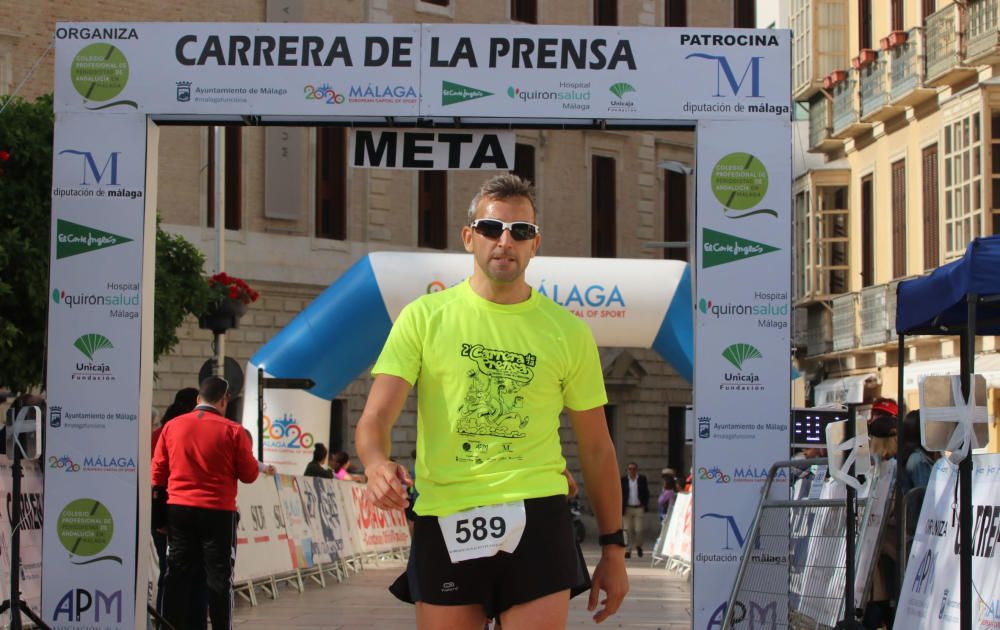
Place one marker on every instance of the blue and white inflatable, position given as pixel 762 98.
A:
pixel 627 303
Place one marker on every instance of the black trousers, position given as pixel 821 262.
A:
pixel 199 539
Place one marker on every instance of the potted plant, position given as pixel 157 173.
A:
pixel 231 296
pixel 838 76
pixel 897 38
pixel 885 43
pixel 867 56
pixel 828 82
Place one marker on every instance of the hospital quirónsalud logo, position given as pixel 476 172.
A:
pixel 85 528
pixel 99 73
pixel 740 352
pixel 739 182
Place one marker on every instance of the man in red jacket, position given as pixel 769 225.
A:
pixel 198 459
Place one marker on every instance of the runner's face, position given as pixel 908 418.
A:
pixel 502 260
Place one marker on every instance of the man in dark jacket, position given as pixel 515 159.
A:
pixel 635 501
pixel 198 460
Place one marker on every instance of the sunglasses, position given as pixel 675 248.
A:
pixel 493 229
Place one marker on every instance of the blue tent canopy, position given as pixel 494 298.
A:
pixel 936 304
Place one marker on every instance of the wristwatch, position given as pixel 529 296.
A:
pixel 615 538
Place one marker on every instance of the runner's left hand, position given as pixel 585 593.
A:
pixel 609 576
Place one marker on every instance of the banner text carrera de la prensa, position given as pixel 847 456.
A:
pixel 397 52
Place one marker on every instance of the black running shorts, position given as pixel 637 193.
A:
pixel 547 560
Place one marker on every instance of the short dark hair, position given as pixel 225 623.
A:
pixel 213 389
pixel 319 453
pixel 339 460
pixel 503 187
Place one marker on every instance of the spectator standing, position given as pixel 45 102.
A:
pixel 315 468
pixel 635 502
pixel 340 464
pixel 198 460
pixel 668 493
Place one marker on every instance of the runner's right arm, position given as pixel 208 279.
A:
pixel 387 480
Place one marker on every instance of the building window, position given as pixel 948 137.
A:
pixel 676 435
pixel 432 210
pixel 524 11
pixel 802 265
pixel 832 239
pixel 899 219
pixel 331 183
pixel 232 176
pixel 963 206
pixel 602 207
pixel 675 13
pixel 605 12
pixel 927 7
pixel 932 241
pixel 440 3
pixel 897 15
pixel 867 232
pixel 675 214
pixel 744 14
pixel 524 162
pixel 864 23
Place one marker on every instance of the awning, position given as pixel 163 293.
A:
pixel 986 364
pixel 848 389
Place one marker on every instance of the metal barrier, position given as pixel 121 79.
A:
pixel 793 570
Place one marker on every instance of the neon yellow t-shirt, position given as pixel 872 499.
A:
pixel 491 382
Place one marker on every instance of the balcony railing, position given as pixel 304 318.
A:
pixel 845 322
pixel 820 138
pixel 874 318
pixel 874 91
pixel 819 336
pixel 944 31
pixel 906 71
pixel 845 110
pixel 983 31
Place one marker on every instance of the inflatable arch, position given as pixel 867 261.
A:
pixel 626 302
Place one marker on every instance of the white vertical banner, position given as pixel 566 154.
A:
pixel 99 369
pixel 930 594
pixel 742 375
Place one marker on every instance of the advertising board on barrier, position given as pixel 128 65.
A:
pixel 931 587
pixel 31 534
pixel 261 538
pixel 741 387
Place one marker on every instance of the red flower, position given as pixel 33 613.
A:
pixel 225 286
pixel 4 156
pixel 234 292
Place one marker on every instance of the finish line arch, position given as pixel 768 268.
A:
pixel 115 83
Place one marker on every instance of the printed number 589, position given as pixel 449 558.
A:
pixel 479 531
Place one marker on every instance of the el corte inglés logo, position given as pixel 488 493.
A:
pixel 73 238
pixel 719 248
pixel 452 93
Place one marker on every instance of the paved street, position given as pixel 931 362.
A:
pixel 658 599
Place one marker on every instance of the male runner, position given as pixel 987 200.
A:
pixel 495 363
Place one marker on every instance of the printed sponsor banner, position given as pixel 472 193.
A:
pixel 261 540
pixel 623 300
pixel 378 529
pixel 506 72
pixel 430 149
pixel 315 515
pixel 95 387
pixel 931 587
pixel 31 534
pixel 346 537
pixel 321 70
pixel 742 377
pixel 677 542
pixel 294 421
pixel 296 526
pixel 434 70
pixel 90 537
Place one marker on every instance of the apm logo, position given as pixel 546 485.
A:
pixel 90 166
pixel 724 71
pixel 79 605
pixel 923 581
